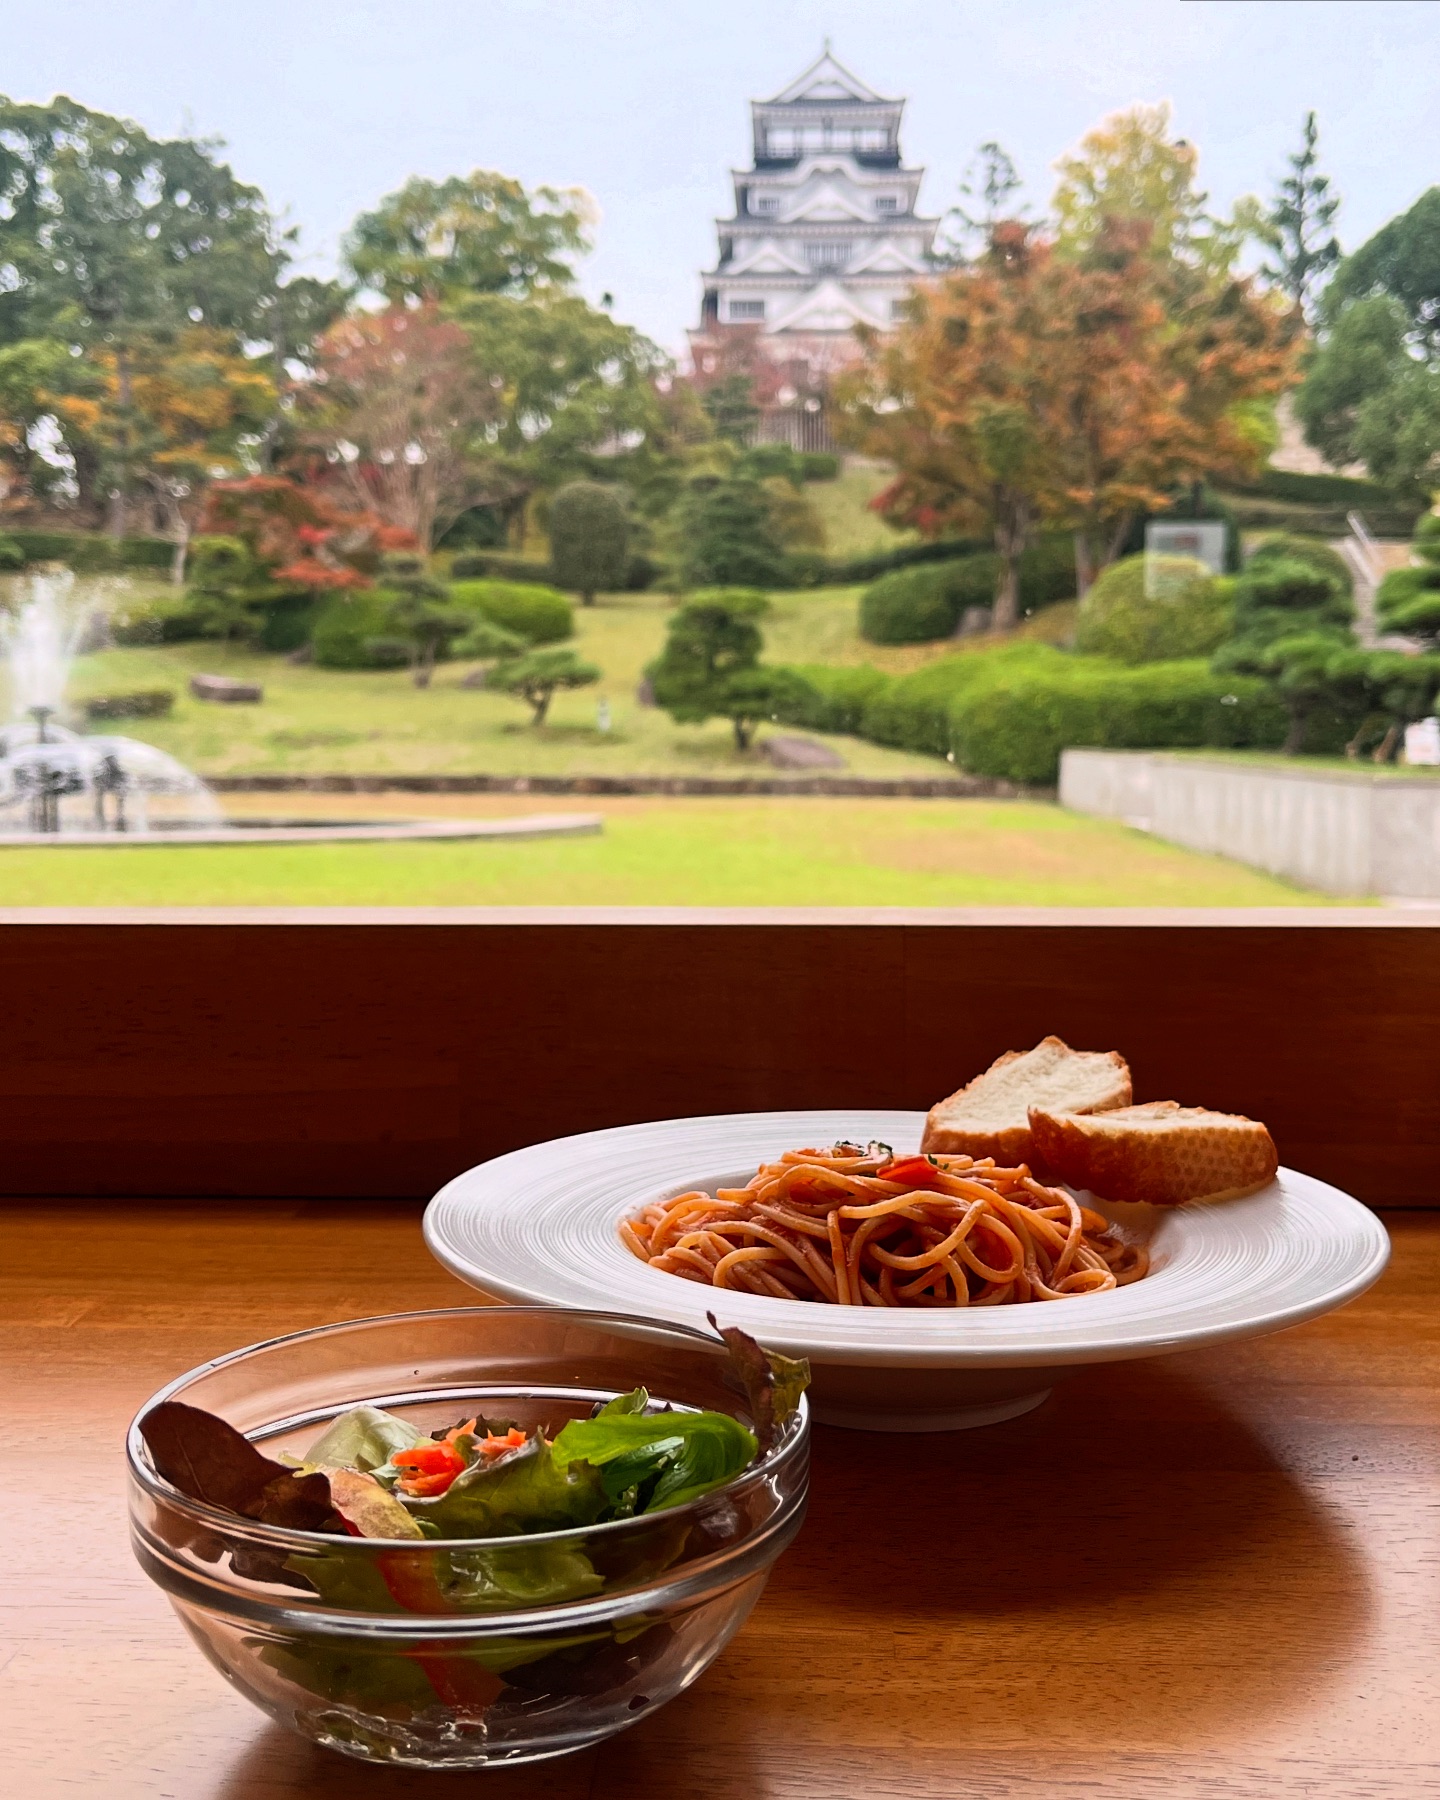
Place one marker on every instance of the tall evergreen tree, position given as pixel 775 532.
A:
pixel 1305 248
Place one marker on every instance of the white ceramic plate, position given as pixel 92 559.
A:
pixel 541 1225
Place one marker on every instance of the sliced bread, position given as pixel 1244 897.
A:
pixel 991 1115
pixel 1160 1152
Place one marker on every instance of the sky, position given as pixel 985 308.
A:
pixel 329 104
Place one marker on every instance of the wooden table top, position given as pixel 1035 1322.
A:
pixel 1213 1575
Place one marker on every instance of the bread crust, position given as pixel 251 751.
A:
pixel 1105 1073
pixel 1161 1153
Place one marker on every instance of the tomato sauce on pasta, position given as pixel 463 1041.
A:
pixel 856 1225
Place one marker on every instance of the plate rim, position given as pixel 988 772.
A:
pixel 786 1335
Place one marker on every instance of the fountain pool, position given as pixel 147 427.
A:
pixel 63 787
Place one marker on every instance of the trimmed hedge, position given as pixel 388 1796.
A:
pixel 1255 512
pixel 352 631
pixel 93 553
pixel 1317 490
pixel 537 613
pixel 143 703
pixel 495 565
pixel 1015 723
pixel 831 698
pixel 917 606
pixel 912 712
pixel 1011 710
pixel 173 619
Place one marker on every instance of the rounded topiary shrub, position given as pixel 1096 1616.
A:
pixel 1297 546
pixel 916 606
pixel 538 614
pixel 1187 612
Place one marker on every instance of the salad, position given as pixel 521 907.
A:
pixel 425 1498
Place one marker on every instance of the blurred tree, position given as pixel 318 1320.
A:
pixel 480 233
pixel 723 531
pixel 105 228
pixel 404 417
pixel 1129 167
pixel 589 538
pixel 1083 379
pixel 1371 396
pixel 710 666
pixel 1298 223
pixel 537 676
pixel 114 243
pixel 572 395
pixel 730 406
pixel 988 186
pixel 1403 261
pixel 420 613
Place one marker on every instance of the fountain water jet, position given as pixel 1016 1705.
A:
pixel 64 788
pixel 55 780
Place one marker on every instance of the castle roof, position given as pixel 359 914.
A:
pixel 826 81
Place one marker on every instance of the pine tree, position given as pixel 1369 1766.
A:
pixel 1305 248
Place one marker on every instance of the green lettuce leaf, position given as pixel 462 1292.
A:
pixel 682 1454
pixel 522 1492
pixel 364 1438
pixel 523 1576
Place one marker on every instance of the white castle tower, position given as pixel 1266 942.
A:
pixel 825 235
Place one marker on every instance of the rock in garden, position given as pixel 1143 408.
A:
pixel 800 753
pixel 227 689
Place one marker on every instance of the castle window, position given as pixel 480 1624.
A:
pixel 750 310
pixel 767 203
pixel 828 254
pixel 886 203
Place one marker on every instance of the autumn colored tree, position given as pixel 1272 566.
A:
pixel 399 407
pixel 1083 378
pixel 296 536
pixel 953 399
pixel 166 418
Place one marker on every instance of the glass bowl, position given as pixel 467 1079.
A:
pixel 465 1652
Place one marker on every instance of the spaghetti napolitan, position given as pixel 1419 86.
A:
pixel 859 1226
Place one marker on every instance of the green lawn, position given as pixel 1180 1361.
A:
pixel 321 720
pixel 851 528
pixel 763 852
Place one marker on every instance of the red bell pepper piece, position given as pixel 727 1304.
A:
pixel 913 1171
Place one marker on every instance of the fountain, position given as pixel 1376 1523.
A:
pixel 60 786
pixel 53 779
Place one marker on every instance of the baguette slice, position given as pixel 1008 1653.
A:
pixel 1160 1152
pixel 991 1116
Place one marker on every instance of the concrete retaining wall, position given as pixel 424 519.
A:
pixel 1341 832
